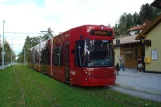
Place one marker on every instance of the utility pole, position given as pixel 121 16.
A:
pixel 3 47
pixel 24 55
pixel 11 50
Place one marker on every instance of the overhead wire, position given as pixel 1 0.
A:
pixel 70 11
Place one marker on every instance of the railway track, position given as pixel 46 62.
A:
pixel 40 87
pixel 36 84
pixel 20 85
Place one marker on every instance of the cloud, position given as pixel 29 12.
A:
pixel 60 15
pixel 99 12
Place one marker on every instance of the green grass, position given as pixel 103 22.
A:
pixel 58 94
pixel 10 95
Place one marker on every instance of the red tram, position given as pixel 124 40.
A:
pixel 80 56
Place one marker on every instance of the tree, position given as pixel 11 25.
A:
pixel 29 42
pixel 116 30
pixel 136 19
pixel 7 56
pixel 148 13
pixel 109 25
pixel 127 20
pixel 20 57
pixel 32 41
pixel 0 55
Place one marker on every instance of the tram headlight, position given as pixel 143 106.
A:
pixel 88 73
pixel 73 72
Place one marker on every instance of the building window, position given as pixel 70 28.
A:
pixel 127 57
pixel 125 54
pixel 129 54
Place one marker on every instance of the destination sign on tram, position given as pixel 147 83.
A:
pixel 101 33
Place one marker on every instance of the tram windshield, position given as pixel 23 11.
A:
pixel 94 53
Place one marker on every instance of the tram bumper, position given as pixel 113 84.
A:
pixel 90 81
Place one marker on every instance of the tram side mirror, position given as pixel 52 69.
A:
pixel 118 42
pixel 73 51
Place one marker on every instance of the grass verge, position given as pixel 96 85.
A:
pixel 60 94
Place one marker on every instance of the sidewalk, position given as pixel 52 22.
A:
pixel 7 65
pixel 4 66
pixel 145 82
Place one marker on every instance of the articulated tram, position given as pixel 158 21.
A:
pixel 81 56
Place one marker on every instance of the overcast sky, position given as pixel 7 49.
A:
pixel 35 15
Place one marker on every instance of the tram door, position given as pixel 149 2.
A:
pixel 66 54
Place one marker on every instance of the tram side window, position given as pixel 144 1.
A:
pixel 33 57
pixel 47 56
pixel 79 54
pixel 43 57
pixel 57 56
pixel 30 56
pixel 66 55
pixel 36 57
pixel 41 61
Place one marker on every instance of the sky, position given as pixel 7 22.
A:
pixel 33 16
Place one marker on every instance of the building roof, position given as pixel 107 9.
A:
pixel 136 28
pixel 156 3
pixel 127 40
pixel 149 28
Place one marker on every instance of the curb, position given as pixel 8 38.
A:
pixel 5 66
pixel 137 89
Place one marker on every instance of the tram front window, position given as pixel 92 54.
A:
pixel 94 53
